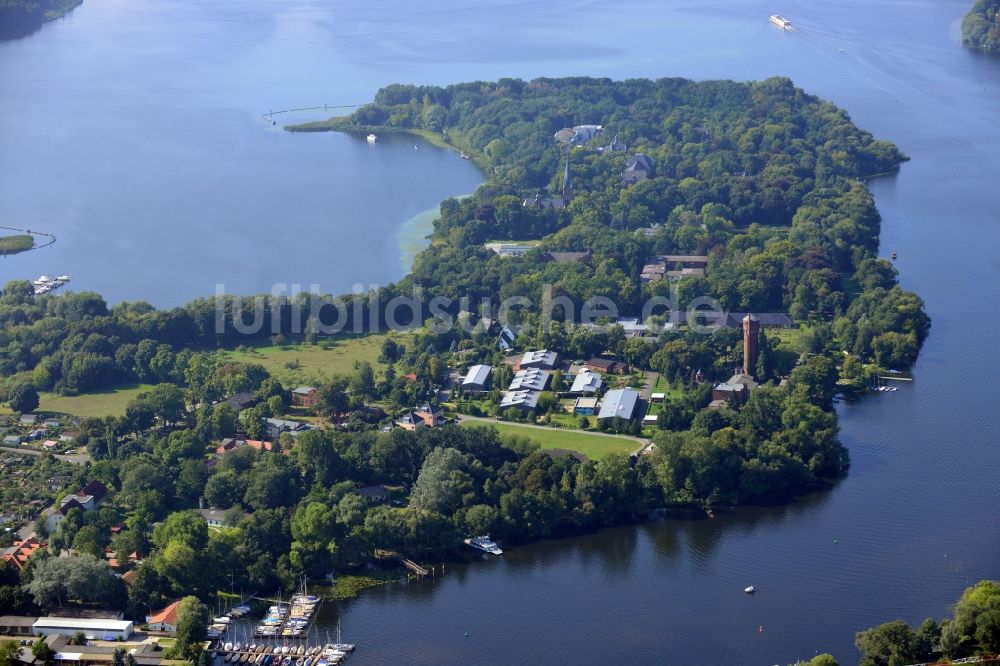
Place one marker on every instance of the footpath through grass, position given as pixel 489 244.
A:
pixel 593 445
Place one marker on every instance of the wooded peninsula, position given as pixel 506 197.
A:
pixel 751 194
pixel 981 26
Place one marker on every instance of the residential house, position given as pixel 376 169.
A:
pixel 18 553
pixel 50 444
pixel 374 494
pixel 216 517
pixel 585 406
pixel 737 387
pixel 524 400
pixel 530 379
pixel 275 427
pixel 619 403
pixel 88 498
pixel 578 134
pixel 12 440
pixel 229 444
pixel 510 249
pixel 586 382
pixel 37 434
pixel 305 396
pixel 640 167
pixel 608 366
pixel 165 619
pixel 505 341
pixel 477 379
pixel 410 421
pixel 242 401
pixel 432 416
pixel 542 358
pixel 17 625
pixel 28 419
pixel 52 423
pixel 653 271
pixel 537 201
pixel 568 257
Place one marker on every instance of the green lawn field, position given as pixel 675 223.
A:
pixel 298 364
pixel 592 445
pixel 103 403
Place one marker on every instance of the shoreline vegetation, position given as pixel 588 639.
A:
pixel 16 243
pixel 453 140
pixel 758 182
pixel 19 18
pixel 981 27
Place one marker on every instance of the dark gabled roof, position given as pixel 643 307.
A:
pixel 640 162
pixel 96 489
pixel 71 504
pixel 242 400
pixel 603 363
pixel 369 492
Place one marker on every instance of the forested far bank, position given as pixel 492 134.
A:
pixel 21 17
pixel 981 26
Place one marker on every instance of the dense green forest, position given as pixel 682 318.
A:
pixel 981 26
pixel 19 17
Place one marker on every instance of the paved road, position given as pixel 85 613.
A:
pixel 640 441
pixel 647 389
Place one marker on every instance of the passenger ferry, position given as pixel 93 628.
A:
pixel 485 544
pixel 781 22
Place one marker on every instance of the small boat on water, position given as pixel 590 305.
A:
pixel 463 155
pixel 750 589
pixel 485 544
pixel 894 255
pixel 781 22
pixel 372 138
pixel 228 646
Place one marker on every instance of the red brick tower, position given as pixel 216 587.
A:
pixel 751 335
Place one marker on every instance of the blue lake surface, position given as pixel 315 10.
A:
pixel 132 130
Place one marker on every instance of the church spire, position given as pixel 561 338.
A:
pixel 567 190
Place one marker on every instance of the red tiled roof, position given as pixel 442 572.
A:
pixel 20 551
pixel 166 615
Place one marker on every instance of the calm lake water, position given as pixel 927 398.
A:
pixel 132 131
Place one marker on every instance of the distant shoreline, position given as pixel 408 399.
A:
pixel 18 26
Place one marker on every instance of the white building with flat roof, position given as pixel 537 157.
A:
pixel 96 628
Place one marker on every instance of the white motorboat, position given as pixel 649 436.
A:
pixel 485 544
pixel 372 138
pixel 781 22
pixel 750 589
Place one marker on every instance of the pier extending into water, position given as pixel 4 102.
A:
pixel 268 116
pixel 263 654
